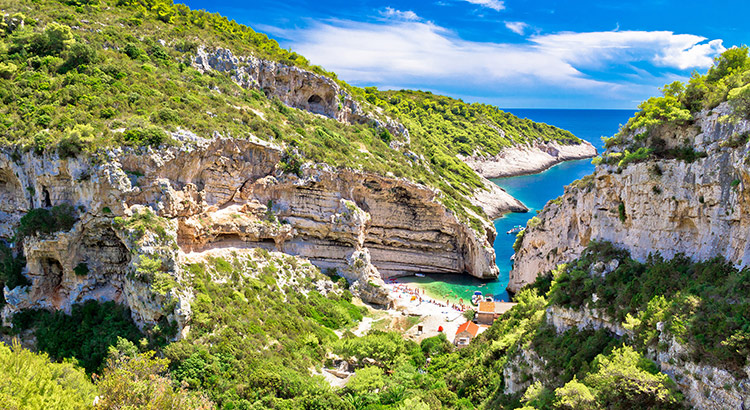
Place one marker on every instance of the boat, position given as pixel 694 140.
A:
pixel 515 229
pixel 476 298
pixel 489 298
pixel 419 275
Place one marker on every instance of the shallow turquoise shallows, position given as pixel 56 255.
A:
pixel 534 191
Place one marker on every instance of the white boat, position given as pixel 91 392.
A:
pixel 419 275
pixel 515 229
pixel 476 298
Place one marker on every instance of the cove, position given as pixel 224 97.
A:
pixel 534 191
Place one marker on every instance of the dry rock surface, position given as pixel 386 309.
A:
pixel 216 194
pixel 670 206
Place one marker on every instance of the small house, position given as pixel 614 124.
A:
pixel 465 334
pixel 489 311
pixel 486 313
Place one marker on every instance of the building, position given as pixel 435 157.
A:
pixel 487 312
pixel 465 334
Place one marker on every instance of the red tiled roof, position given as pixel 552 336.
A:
pixel 469 326
pixel 486 307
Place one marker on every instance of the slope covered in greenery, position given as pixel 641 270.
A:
pixel 78 76
pixel 643 135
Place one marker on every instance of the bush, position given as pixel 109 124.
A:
pixel 85 334
pixel 82 269
pixel 152 135
pixel 41 221
pixel 12 267
pixel 135 381
pixel 30 381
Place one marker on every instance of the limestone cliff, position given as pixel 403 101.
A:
pixel 705 387
pixel 295 87
pixel 528 158
pixel 667 206
pixel 221 193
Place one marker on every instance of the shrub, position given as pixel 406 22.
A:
pixel 41 221
pixel 30 380
pixel 621 212
pixel 12 267
pixel 150 135
pixel 85 334
pixel 519 240
pixel 134 381
pixel 82 269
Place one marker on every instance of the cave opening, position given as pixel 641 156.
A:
pixel 47 200
pixel 53 272
pixel 316 104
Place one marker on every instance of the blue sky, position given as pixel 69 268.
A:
pixel 512 53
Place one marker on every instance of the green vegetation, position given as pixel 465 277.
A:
pixel 134 380
pixel 79 76
pixel 702 304
pixel 519 240
pixel 30 381
pixel 661 118
pixel 142 222
pixel 82 269
pixel 12 267
pixel 85 334
pixel 43 221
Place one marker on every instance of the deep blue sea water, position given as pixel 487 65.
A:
pixel 534 191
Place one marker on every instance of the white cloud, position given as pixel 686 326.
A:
pixel 517 27
pixel 392 13
pixel 661 48
pixel 496 5
pixel 422 54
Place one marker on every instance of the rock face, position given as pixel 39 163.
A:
pixel 216 194
pixel 705 387
pixel 295 87
pixel 528 159
pixel 668 206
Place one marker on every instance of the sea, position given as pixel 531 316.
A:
pixel 534 191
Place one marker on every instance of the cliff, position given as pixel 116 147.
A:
pixel 225 193
pixel 528 159
pixel 665 206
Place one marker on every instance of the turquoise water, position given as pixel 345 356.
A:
pixel 534 191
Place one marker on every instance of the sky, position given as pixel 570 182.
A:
pixel 510 53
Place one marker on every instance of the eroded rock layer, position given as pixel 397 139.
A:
pixel 665 206
pixel 221 193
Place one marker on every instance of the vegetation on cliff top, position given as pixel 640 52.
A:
pixel 644 134
pixel 77 76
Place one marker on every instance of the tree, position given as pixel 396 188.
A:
pixel 367 380
pixel 574 396
pixel 627 380
pixel 137 380
pixel 30 381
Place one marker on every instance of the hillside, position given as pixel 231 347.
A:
pixel 653 246
pixel 188 209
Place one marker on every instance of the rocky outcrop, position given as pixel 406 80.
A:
pixel 495 201
pixel 221 194
pixel 523 368
pixel 295 87
pixel 563 319
pixel 528 159
pixel 705 387
pixel 667 206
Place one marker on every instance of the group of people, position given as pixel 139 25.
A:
pixel 419 294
